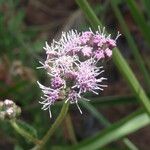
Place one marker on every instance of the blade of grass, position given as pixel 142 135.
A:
pixel 116 131
pixel 130 145
pixel 105 122
pixel 112 100
pixel 131 79
pixel 118 59
pixel 147 7
pixel 139 19
pixel 131 43
pixel 95 113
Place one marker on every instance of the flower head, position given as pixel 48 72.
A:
pixel 87 79
pixel 72 64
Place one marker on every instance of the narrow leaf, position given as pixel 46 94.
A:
pixel 106 123
pixel 131 43
pixel 126 126
pixel 139 19
pixel 118 59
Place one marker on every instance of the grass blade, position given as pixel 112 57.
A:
pixel 147 7
pixel 131 43
pixel 130 145
pixel 112 100
pixel 106 123
pixel 118 59
pixel 131 79
pixel 95 113
pixel 118 130
pixel 139 19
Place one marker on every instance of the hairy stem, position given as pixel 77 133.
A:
pixel 24 133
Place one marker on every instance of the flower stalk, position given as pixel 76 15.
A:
pixel 23 132
pixel 53 128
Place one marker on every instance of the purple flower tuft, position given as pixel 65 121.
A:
pixel 57 82
pixel 72 64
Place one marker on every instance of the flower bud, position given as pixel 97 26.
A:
pixel 9 110
pixel 8 103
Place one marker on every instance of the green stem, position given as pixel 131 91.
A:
pixel 24 133
pixel 54 126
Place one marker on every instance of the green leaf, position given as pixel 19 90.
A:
pixel 28 128
pixel 126 126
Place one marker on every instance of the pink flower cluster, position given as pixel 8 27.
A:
pixel 72 64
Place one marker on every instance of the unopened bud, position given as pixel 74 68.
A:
pixel 9 110
pixel 8 103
